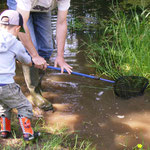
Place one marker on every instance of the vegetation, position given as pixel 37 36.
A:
pixel 123 47
pixel 49 140
pixel 135 3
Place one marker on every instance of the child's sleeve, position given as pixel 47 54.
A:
pixel 22 55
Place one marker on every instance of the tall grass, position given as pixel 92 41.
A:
pixel 124 47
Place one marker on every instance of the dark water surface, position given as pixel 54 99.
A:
pixel 87 105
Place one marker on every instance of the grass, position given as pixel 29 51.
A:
pixel 123 47
pixel 49 140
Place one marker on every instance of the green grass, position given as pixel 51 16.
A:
pixel 52 139
pixel 123 47
pixel 49 140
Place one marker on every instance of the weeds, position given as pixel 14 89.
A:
pixel 58 140
pixel 123 48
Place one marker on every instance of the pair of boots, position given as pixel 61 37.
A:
pixel 28 133
pixel 33 78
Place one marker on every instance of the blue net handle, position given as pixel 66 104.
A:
pixel 82 74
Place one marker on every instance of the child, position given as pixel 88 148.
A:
pixel 10 93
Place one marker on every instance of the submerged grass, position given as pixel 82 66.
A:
pixel 123 47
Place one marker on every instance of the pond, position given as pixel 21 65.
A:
pixel 86 105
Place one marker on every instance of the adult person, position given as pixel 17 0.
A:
pixel 38 40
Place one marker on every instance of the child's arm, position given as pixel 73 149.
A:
pixel 22 56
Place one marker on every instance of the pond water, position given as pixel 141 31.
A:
pixel 86 105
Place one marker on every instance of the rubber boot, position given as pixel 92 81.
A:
pixel 28 133
pixel 33 81
pixel 5 127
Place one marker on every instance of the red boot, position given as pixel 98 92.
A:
pixel 28 133
pixel 5 127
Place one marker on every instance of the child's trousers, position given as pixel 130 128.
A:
pixel 11 97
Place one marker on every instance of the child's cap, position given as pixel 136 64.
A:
pixel 11 17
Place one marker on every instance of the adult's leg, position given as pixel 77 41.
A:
pixel 12 4
pixel 43 33
pixel 31 74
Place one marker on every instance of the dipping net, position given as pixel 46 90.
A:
pixel 130 86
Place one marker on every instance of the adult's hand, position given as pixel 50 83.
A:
pixel 39 62
pixel 63 65
pixel 61 32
